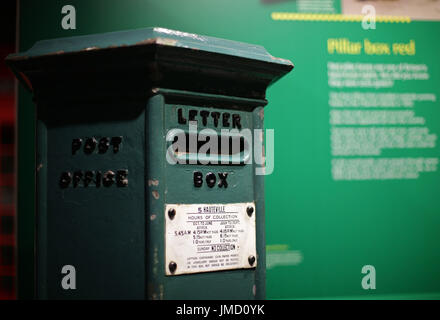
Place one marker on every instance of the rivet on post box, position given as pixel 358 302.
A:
pixel 146 184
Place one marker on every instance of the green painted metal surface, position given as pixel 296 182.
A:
pixel 98 230
pixel 113 233
pixel 174 185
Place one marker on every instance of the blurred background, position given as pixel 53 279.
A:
pixel 7 153
pixel 356 178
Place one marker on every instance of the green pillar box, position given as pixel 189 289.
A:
pixel 128 205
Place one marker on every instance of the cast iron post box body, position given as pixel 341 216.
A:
pixel 132 224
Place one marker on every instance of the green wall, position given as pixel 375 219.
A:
pixel 320 231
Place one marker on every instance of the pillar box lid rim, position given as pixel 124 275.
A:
pixel 147 58
pixel 147 36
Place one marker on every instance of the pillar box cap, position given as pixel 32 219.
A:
pixel 134 61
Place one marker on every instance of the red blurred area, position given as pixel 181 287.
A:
pixel 7 157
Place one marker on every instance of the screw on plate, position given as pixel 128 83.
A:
pixel 172 266
pixel 171 213
pixel 249 211
pixel 251 260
